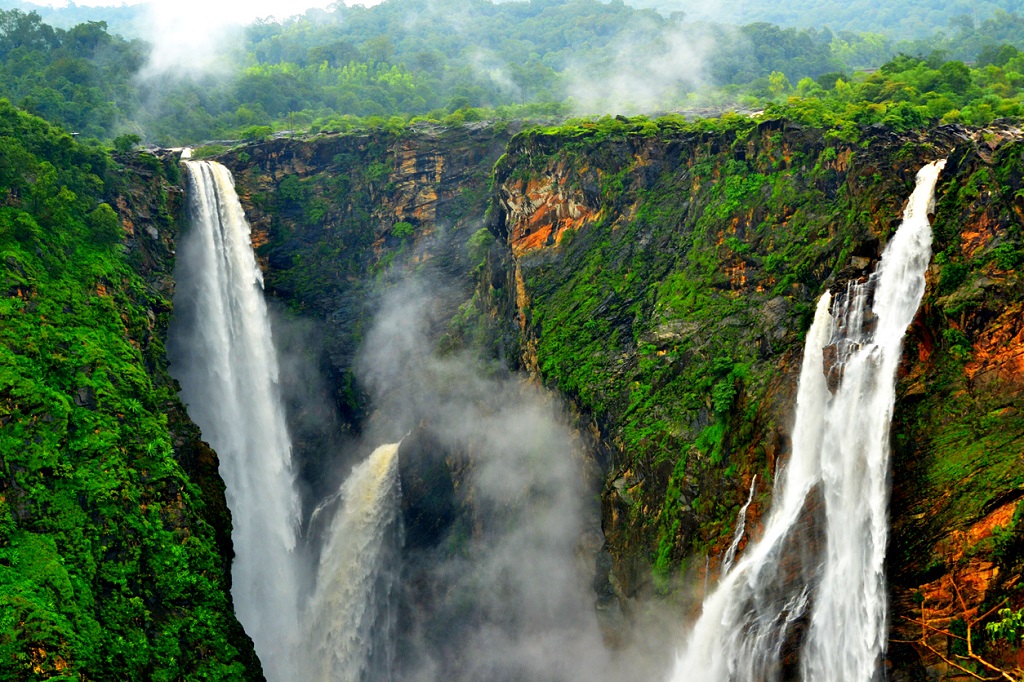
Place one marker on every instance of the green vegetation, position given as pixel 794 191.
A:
pixel 402 230
pixel 1009 627
pixel 396 63
pixel 671 323
pixel 80 78
pixel 896 19
pixel 108 568
pixel 674 318
pixel 124 20
pixel 126 143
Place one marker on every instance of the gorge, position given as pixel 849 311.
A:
pixel 588 342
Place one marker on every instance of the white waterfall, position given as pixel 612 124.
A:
pixel 349 616
pixel 223 356
pixel 811 591
pixel 741 528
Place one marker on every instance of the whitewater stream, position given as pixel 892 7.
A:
pixel 222 353
pixel 223 356
pixel 807 599
pixel 809 596
pixel 351 617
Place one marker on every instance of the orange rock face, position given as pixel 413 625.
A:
pixel 977 234
pixel 540 210
pixel 416 179
pixel 957 595
pixel 999 353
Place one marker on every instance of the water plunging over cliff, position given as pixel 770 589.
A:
pixel 223 356
pixel 350 617
pixel 813 585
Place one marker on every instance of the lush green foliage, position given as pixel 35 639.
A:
pixel 959 432
pixel 672 321
pixel 910 93
pixel 81 78
pixel 107 568
pixel 399 61
pixel 124 20
pixel 1009 627
pixel 895 18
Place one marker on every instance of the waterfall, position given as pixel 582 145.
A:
pixel 349 629
pixel 222 355
pixel 809 596
pixel 741 527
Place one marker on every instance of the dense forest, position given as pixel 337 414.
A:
pixel 124 20
pixel 898 19
pixel 105 540
pixel 464 60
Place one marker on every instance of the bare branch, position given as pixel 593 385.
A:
pixel 934 629
pixel 955 665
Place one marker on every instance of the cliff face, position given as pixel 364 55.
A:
pixel 670 305
pixel 337 221
pixel 150 205
pixel 337 218
pixel 114 536
pixel 664 284
pixel 957 540
pixel 662 281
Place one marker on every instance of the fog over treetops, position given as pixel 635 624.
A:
pixel 459 60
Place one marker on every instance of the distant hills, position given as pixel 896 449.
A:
pixel 124 20
pixel 899 19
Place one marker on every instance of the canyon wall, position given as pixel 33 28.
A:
pixel 664 283
pixel 661 279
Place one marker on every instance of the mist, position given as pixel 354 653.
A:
pixel 194 37
pixel 502 585
pixel 645 76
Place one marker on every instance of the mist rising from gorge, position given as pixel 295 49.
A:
pixel 507 591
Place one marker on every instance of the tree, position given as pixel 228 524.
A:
pixel 402 230
pixel 956 77
pixel 123 144
pixel 960 634
pixel 778 84
pixel 106 226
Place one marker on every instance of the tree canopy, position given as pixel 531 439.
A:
pixel 462 60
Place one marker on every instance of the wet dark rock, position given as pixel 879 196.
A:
pixel 429 505
pixel 85 397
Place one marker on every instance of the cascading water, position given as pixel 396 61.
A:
pixel 223 356
pixel 741 528
pixel 815 579
pixel 350 620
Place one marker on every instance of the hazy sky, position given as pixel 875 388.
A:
pixel 217 10
pixel 191 35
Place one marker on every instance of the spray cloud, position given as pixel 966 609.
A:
pixel 505 589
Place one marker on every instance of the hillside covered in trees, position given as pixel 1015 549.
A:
pixel 896 19
pixel 463 60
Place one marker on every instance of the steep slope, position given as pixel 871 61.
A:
pixel 664 282
pixel 114 536
pixel 661 276
pixel 957 546
pixel 338 219
pixel 673 308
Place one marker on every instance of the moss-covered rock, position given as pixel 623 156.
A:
pixel 114 536
pixel 664 282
